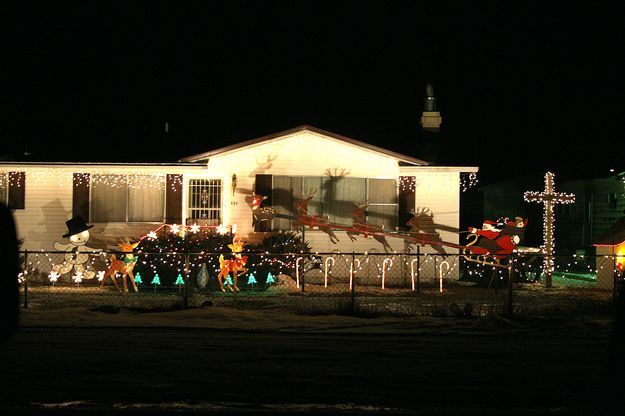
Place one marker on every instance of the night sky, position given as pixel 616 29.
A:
pixel 520 90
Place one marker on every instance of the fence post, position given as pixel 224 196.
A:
pixel 185 301
pixel 510 275
pixel 25 268
pixel 418 267
pixel 353 278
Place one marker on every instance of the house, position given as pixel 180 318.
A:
pixel 599 202
pixel 610 246
pixel 337 173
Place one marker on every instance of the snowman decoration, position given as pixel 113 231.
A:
pixel 75 257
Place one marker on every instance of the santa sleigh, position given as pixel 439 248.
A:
pixel 495 242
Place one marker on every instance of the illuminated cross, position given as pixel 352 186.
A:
pixel 549 198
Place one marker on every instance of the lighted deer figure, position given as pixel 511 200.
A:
pixel 361 227
pixel 123 266
pixel 233 264
pixel 319 221
pixel 260 214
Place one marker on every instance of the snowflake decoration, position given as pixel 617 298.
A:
pixel 53 276
pixel 21 277
pixel 194 228
pixel 175 229
pixel 221 229
pixel 100 275
pixel 77 278
pixel 152 235
pixel 234 228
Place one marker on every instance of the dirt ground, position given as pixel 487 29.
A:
pixel 226 361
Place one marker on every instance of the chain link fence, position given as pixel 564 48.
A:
pixel 356 283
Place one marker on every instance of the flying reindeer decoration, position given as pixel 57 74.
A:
pixel 361 227
pixel 319 221
pixel 426 231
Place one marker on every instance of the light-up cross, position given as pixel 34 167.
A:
pixel 549 198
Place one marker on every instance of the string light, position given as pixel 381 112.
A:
pixel 468 180
pixel 111 177
pixel 407 183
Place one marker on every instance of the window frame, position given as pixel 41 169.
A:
pixel 187 199
pixel 127 205
pixel 366 199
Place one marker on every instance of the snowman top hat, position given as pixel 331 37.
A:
pixel 76 226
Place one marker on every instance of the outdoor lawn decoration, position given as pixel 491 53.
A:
pixel 313 221
pixel 361 227
pixel 202 277
pixel 251 280
pixel 549 198
pixel 495 241
pixel 232 263
pixel 124 267
pixel 76 257
pixel 270 279
pixel 425 231
pixel 138 279
pixel 156 281
pixel 261 214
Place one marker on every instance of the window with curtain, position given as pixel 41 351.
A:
pixel 336 198
pixel 127 198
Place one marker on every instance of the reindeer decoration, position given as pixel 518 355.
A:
pixel 361 227
pixel 123 266
pixel 425 230
pixel 233 264
pixel 260 214
pixel 319 221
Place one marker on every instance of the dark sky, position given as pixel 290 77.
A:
pixel 520 90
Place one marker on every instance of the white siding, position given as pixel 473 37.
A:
pixel 48 205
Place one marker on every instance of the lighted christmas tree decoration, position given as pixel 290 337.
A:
pixel 179 280
pixel 549 198
pixel 270 278
pixel 138 279
pixel 229 281
pixel 156 281
pixel 251 280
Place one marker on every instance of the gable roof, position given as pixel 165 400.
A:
pixel 400 157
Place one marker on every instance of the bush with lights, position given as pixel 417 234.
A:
pixel 274 255
pixel 271 255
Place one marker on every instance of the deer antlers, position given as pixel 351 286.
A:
pixel 269 158
pixel 335 174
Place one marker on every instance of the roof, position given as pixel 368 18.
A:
pixel 143 164
pixel 400 157
pixel 613 236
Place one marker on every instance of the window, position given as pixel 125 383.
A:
pixel 127 198
pixel 336 198
pixel 204 204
